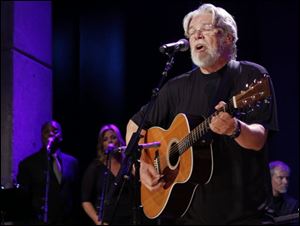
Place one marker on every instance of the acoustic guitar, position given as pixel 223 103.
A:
pixel 181 147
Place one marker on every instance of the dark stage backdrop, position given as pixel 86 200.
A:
pixel 106 62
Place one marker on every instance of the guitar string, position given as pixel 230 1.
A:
pixel 180 147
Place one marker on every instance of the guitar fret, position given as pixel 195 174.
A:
pixel 197 133
pixel 190 142
pixel 201 129
pixel 193 136
pixel 207 124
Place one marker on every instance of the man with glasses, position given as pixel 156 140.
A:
pixel 236 185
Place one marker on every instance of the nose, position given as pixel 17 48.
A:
pixel 285 180
pixel 198 34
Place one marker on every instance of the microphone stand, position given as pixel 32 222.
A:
pixel 132 152
pixel 45 214
pixel 103 200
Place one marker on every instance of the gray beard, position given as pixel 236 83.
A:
pixel 207 61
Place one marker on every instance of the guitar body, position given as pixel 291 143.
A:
pixel 183 171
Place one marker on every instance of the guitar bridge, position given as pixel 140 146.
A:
pixel 156 162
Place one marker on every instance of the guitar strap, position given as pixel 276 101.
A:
pixel 225 85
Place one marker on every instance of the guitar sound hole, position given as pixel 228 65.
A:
pixel 174 154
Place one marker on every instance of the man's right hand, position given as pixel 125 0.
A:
pixel 150 177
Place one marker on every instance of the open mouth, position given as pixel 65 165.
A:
pixel 199 47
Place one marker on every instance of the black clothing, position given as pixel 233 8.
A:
pixel 92 188
pixel 62 197
pixel 284 205
pixel 237 191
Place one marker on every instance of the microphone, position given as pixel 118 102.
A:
pixel 111 148
pixel 140 146
pixel 51 141
pixel 181 45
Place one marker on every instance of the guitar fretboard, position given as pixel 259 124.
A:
pixel 197 133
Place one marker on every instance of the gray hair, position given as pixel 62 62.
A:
pixel 278 164
pixel 221 18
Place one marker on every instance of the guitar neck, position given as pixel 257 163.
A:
pixel 199 131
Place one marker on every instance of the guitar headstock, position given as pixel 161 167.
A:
pixel 259 90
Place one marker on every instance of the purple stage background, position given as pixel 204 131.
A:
pixel 27 100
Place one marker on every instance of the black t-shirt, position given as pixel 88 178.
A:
pixel 92 188
pixel 240 181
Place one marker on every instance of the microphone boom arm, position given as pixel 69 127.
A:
pixel 140 146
